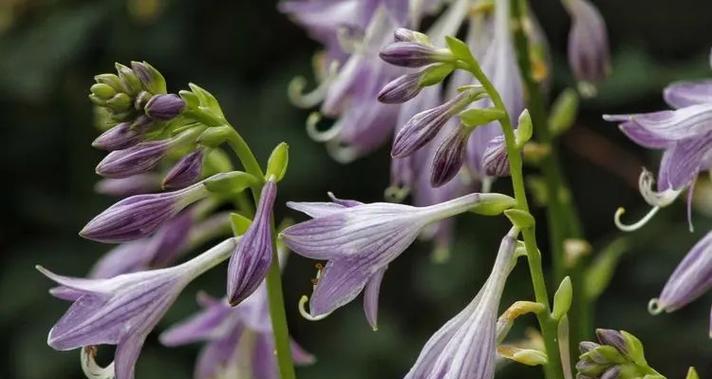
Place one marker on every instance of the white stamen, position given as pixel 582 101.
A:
pixel 652 197
pixel 302 310
pixel 637 225
pixel 396 194
pixel 321 135
pixel 296 87
pixel 91 369
pixel 341 153
pixel 654 307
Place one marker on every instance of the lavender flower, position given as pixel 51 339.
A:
pixel 449 156
pixel 413 54
pixel 424 126
pixel 401 89
pixel 361 240
pixel 133 160
pixel 121 136
pixel 132 185
pixel 589 57
pixel 685 135
pixel 123 310
pixel 138 216
pixel 164 107
pixel 465 347
pixel 619 354
pixel 494 158
pixel 224 329
pixel 691 279
pixel 186 171
pixel 252 258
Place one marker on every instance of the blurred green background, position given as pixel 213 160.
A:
pixel 245 52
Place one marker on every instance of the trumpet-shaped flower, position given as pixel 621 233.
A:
pixel 465 347
pixel 236 338
pixel 252 258
pixel 141 215
pixel 123 310
pixel 360 241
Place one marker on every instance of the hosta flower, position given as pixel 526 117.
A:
pixel 360 240
pixel 618 354
pixel 164 107
pixel 121 136
pixel 449 156
pixel 685 135
pixel 252 258
pixel 236 338
pixel 465 347
pixel 123 310
pixel 691 279
pixel 132 185
pixel 140 215
pixel 133 160
pixel 186 171
pixel 588 53
pixel 413 54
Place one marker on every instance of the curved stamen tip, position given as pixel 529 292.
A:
pixel 340 152
pixel 396 193
pixel 93 370
pixel 637 225
pixel 654 307
pixel 302 310
pixel 320 135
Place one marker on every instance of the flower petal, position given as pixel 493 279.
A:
pixel 672 125
pixel 681 164
pixel 643 136
pixel 691 279
pixel 683 94
pixel 370 298
pixel 126 355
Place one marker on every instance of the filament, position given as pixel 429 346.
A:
pixel 654 307
pixel 637 225
pixel 321 135
pixel 302 310
pixel 396 193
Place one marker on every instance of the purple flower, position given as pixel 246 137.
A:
pixel 449 156
pixel 360 241
pixel 164 107
pixel 186 171
pixel 151 79
pixel 134 160
pixel 424 126
pixel 494 158
pixel 223 328
pixel 123 310
pixel 691 279
pixel 132 185
pixel 465 347
pixel 401 89
pixel 589 57
pixel 139 216
pixel 252 258
pixel 413 54
pixel 121 136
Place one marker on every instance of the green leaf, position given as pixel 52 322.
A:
pixel 480 116
pixel 692 374
pixel 459 49
pixel 519 218
pixel 207 100
pixel 239 223
pixel 435 74
pixel 230 182
pixel 635 349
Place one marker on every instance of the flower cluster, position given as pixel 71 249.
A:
pixel 617 355
pixel 130 289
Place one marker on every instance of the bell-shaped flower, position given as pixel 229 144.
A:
pixel 235 338
pixel 465 347
pixel 588 52
pixel 691 279
pixel 123 310
pixel 252 258
pixel 140 215
pixel 186 171
pixel 360 241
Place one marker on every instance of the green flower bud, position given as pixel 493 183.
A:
pixel 111 80
pixel 562 299
pixel 121 102
pixel 102 91
pixel 278 162
pixel 524 130
pixel 129 81
pixel 151 79
pixel 563 112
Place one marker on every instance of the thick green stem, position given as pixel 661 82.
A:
pixel 547 325
pixel 562 217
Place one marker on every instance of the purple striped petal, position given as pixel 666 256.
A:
pixel 494 159
pixel 370 298
pixel 681 163
pixel 449 157
pixel 672 125
pixel 132 185
pixel 134 160
pixel 119 137
pixel 186 171
pixel 643 136
pixel 684 94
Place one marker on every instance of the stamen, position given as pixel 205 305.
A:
pixel 296 87
pixel 654 307
pixel 652 197
pixel 321 135
pixel 396 193
pixel 637 225
pixel 340 152
pixel 91 369
pixel 350 38
pixel 302 310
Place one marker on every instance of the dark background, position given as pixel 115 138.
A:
pixel 245 52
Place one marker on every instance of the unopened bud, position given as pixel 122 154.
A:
pixel 150 78
pixel 562 299
pixel 102 91
pixel 278 162
pixel 563 112
pixel 164 107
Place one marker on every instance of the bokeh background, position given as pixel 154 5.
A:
pixel 245 52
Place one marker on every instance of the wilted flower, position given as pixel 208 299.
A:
pixel 589 57
pixel 252 258
pixel 186 171
pixel 123 310
pixel 237 338
pixel 691 279
pixel 361 240
pixel 465 347
pixel 140 215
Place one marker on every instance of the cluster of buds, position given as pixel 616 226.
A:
pixel 617 355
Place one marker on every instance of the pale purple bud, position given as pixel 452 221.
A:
pixel 494 158
pixel 119 137
pixel 401 89
pixel 411 54
pixel 186 171
pixel 136 159
pixel 611 373
pixel 588 42
pixel 691 279
pixel 252 258
pixel 449 157
pixel 139 216
pixel 586 346
pixel 133 185
pixel 408 35
pixel 612 338
pixel 150 78
pixel 123 310
pixel 424 126
pixel 164 107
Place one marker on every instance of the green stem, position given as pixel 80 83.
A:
pixel 562 217
pixel 548 325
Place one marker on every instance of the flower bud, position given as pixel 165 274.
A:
pixel 102 91
pixel 588 53
pixel 121 136
pixel 494 159
pixel 401 89
pixel 134 160
pixel 186 171
pixel 413 54
pixel 164 107
pixel 129 81
pixel 407 35
pixel 449 157
pixel 121 102
pixel 277 163
pixel 150 78
pixel 112 80
pixel 562 299
pixel 133 185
